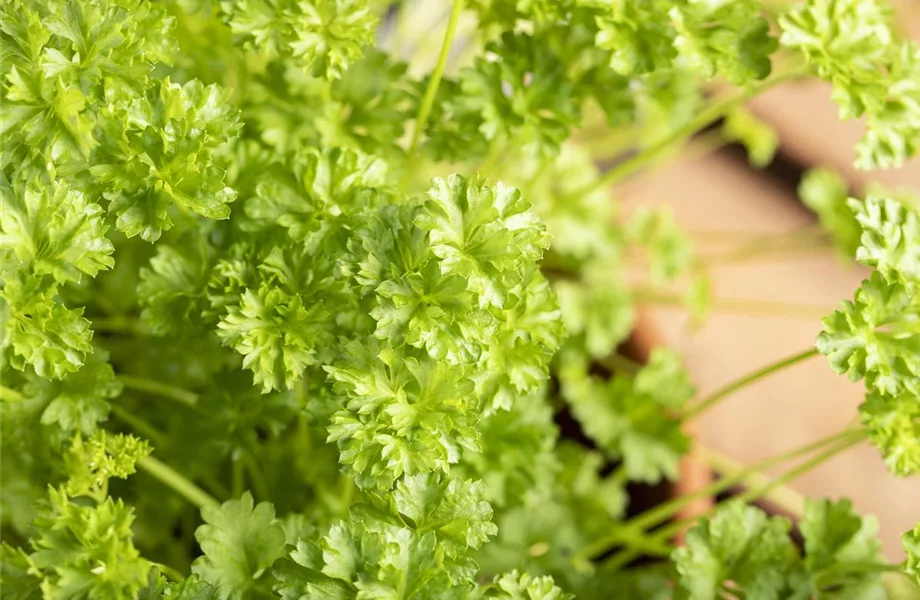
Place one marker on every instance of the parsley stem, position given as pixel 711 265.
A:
pixel 10 395
pixel 704 119
pixel 148 386
pixel 712 399
pixel 658 514
pixel 626 555
pixel 139 425
pixel 431 91
pixel 744 306
pixel 178 483
pixel 784 498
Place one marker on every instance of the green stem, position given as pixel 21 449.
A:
pixel 148 386
pixel 620 364
pixel 11 395
pixel 742 306
pixel 257 479
pixel 701 121
pixel 431 91
pixel 626 555
pixel 176 482
pixel 712 399
pixel 139 425
pixel 783 497
pixel 236 478
pixel 808 465
pixel 117 324
pixel 663 512
pixel 170 572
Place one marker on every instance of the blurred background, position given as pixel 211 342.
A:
pixel 717 195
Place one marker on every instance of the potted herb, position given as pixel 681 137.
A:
pixel 296 294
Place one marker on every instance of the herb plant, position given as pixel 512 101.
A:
pixel 324 273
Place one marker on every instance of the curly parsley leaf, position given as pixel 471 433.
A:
pixel 240 541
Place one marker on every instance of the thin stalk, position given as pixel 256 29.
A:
pixel 431 91
pixel 658 514
pixel 628 554
pixel 139 425
pixel 783 497
pixel 11 395
pixel 768 249
pixel 236 478
pixel 256 478
pixel 620 364
pixel 744 306
pixel 177 482
pixel 170 572
pixel 808 465
pixel 701 121
pixel 712 399
pixel 117 324
pixel 148 386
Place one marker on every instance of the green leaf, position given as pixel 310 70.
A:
pixel 670 250
pixel 894 427
pixel 240 541
pixel 727 38
pixel 92 463
pixel 452 508
pixel 741 545
pixel 889 228
pixel 51 229
pixel 911 543
pixel 482 233
pixel 168 144
pixel 403 414
pixel 875 336
pixel 322 36
pixel 523 586
pixel 758 138
pixel 835 537
pixel 79 401
pixel 825 193
pixel 15 577
pixel 626 417
pixel 86 552
pixel 39 331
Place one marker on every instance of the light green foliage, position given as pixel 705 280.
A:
pixel 216 240
pixel 740 544
pixel 86 551
pixel 911 542
pixel 629 416
pixel 741 548
pixel 79 401
pixel 857 341
pixel 165 156
pixel 521 586
pixel 240 541
pixel 39 331
pixel 851 44
pixel 411 545
pixel 874 337
pixel 404 414
pixel 730 38
pixel 758 138
pixel 835 536
pixel 322 36
pixel 53 231
pixel 670 250
pixel 825 193
pixel 894 427
pixel 91 463
pixel 889 228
